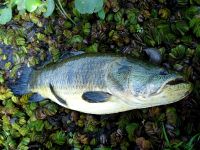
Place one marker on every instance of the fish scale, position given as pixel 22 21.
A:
pixel 73 75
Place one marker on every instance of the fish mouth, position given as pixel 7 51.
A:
pixel 173 82
pixel 176 81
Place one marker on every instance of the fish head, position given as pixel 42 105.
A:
pixel 142 85
pixel 157 86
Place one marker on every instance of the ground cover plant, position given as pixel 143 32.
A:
pixel 43 31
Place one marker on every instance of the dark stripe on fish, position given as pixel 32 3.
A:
pixel 62 101
pixel 96 96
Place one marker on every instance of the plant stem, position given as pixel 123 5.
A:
pixel 165 135
pixel 63 12
pixel 60 10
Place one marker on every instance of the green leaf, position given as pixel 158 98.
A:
pixel 103 148
pixel 31 5
pixel 86 147
pixel 20 5
pixel 130 129
pixel 178 52
pixel 195 1
pixel 23 144
pixel 165 135
pixel 180 27
pixel 76 39
pixel 191 11
pixel 5 15
pixel 93 48
pixel 50 8
pixel 186 39
pixel 132 17
pixel 195 25
pixel 59 137
pixel 101 14
pixel 86 28
pixel 32 106
pixel 14 2
pixel 197 52
pixel 88 6
pixel 37 125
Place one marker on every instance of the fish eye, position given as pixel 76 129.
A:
pixel 163 72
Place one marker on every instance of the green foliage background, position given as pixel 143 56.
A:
pixel 36 36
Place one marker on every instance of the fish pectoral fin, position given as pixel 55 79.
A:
pixel 62 101
pixel 36 98
pixel 96 96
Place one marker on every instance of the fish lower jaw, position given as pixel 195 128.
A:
pixel 148 101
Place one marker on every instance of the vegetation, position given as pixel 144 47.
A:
pixel 25 5
pixel 38 32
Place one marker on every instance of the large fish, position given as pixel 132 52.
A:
pixel 103 84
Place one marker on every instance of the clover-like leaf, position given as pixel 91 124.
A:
pixel 31 5
pixel 14 2
pixel 50 8
pixel 20 5
pixel 88 6
pixel 5 15
pixel 101 14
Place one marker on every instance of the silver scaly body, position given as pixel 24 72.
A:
pixel 123 84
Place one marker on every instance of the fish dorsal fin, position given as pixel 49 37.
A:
pixel 65 55
pixel 62 101
pixel 96 96
pixel 71 53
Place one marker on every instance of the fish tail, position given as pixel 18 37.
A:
pixel 20 85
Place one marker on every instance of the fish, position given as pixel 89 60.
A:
pixel 102 84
